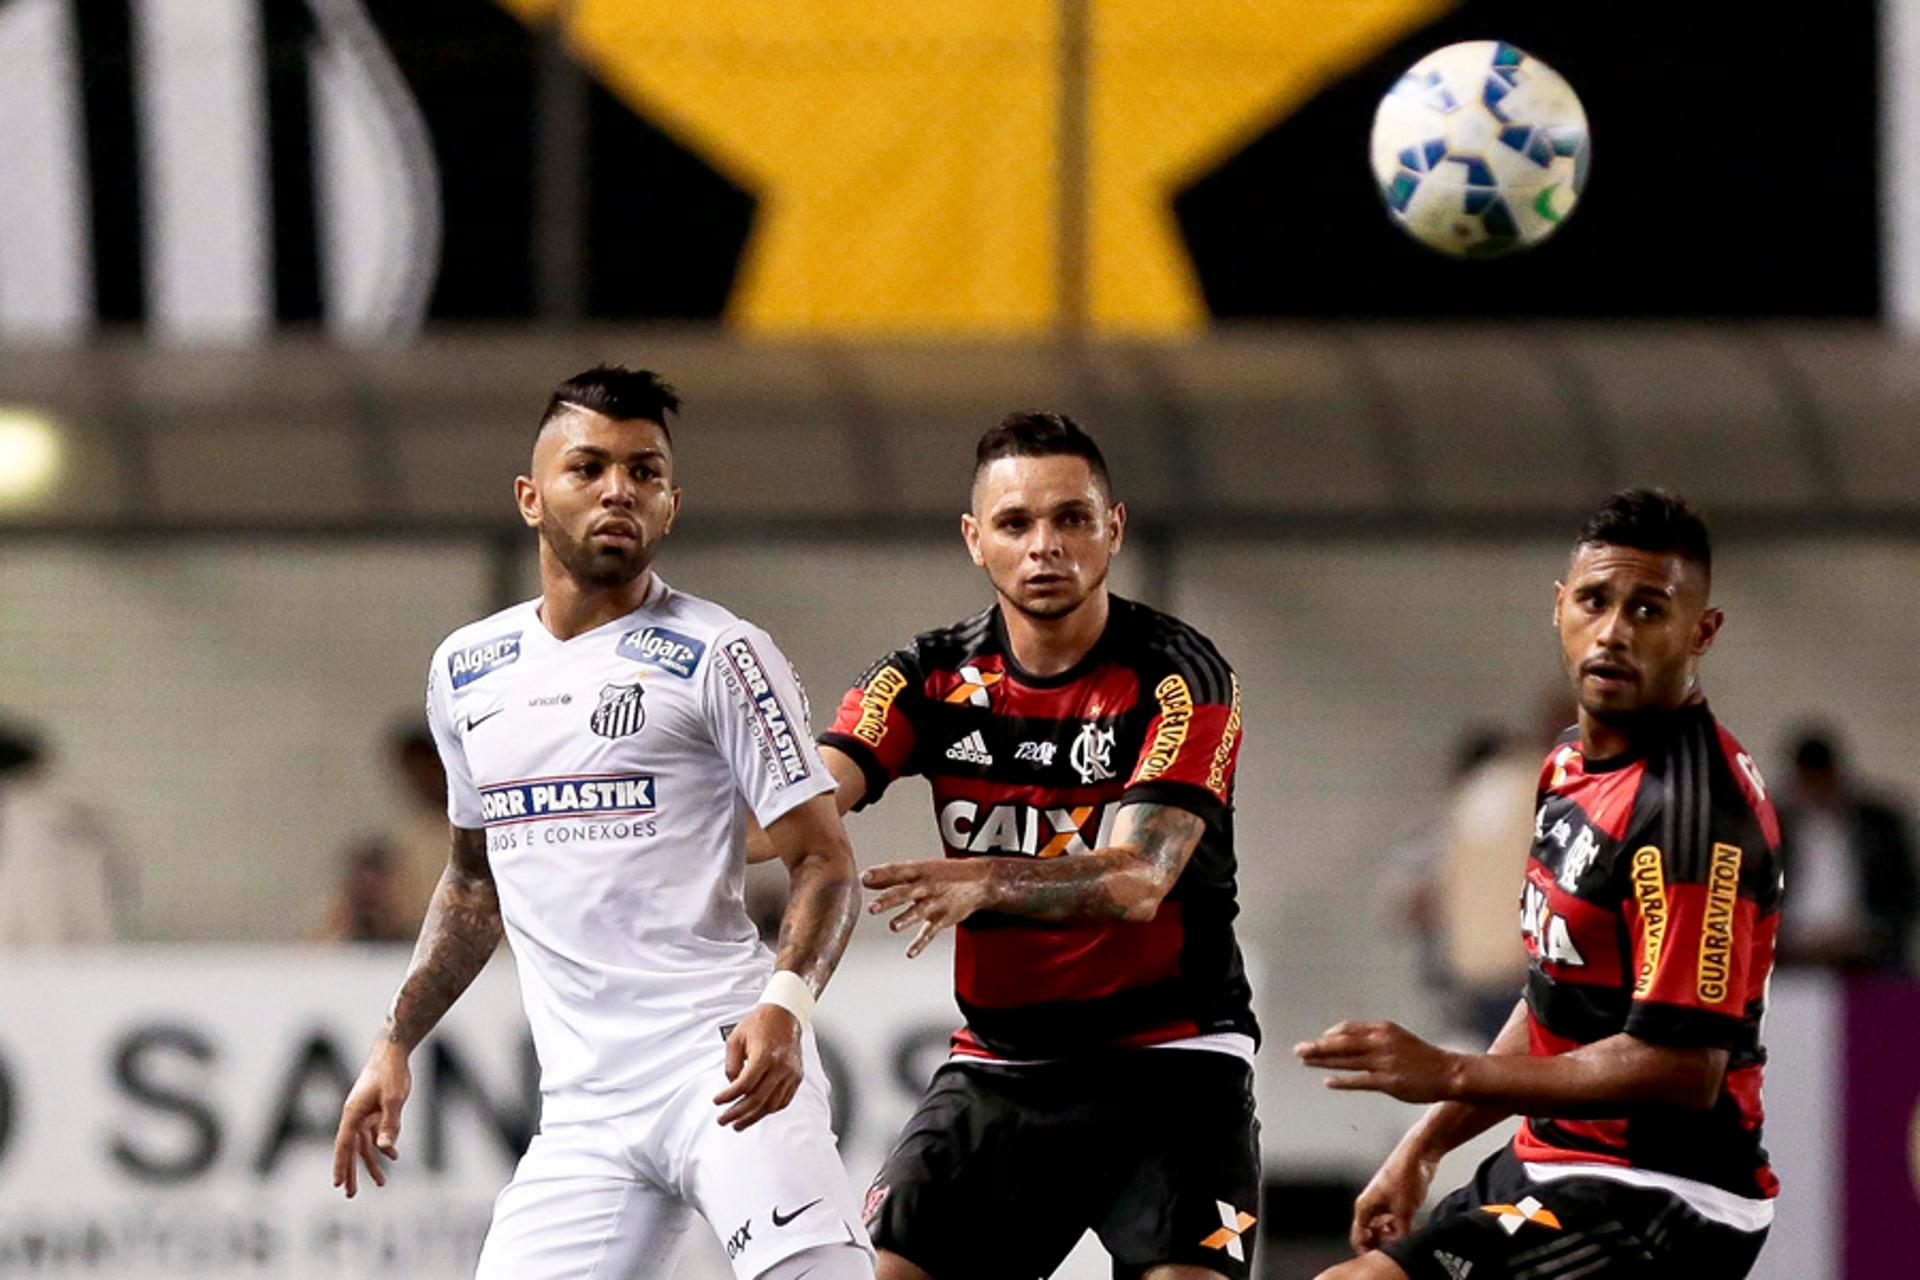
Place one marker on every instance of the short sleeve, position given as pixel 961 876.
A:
pixel 1693 912
pixel 1192 744
pixel 757 714
pixel 463 798
pixel 874 725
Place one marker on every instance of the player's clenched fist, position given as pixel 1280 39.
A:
pixel 1387 1204
pixel 764 1064
pixel 933 895
pixel 370 1120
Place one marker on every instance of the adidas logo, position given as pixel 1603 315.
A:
pixel 1455 1267
pixel 971 749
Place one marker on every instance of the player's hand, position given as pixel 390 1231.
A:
pixel 934 895
pixel 764 1065
pixel 370 1120
pixel 1388 1202
pixel 1385 1058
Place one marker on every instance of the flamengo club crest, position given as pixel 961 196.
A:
pixel 1092 753
pixel 619 712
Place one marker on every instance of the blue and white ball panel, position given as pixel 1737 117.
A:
pixel 1480 149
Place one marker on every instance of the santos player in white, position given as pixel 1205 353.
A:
pixel 605 747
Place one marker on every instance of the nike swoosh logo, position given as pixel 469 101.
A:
pixel 475 721
pixel 782 1219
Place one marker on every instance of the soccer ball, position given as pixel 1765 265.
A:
pixel 1480 149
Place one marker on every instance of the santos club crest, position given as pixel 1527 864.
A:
pixel 619 712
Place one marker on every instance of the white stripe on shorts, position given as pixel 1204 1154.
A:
pixel 1715 1204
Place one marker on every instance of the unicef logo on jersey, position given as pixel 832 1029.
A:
pixel 619 712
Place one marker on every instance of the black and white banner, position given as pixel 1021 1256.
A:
pixel 209 168
pixel 170 1113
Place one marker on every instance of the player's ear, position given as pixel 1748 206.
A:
pixel 1559 594
pixel 1116 528
pixel 673 510
pixel 1704 631
pixel 970 534
pixel 527 497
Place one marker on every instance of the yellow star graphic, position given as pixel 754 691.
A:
pixel 907 153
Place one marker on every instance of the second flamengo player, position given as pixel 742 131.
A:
pixel 1081 750
pixel 606 747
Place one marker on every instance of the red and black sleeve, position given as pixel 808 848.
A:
pixel 1192 742
pixel 874 725
pixel 1701 903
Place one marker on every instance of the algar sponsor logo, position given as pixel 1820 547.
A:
pixel 672 652
pixel 540 798
pixel 875 702
pixel 464 666
pixel 1716 929
pixel 1176 713
pixel 1650 891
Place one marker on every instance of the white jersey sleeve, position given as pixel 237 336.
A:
pixel 463 798
pixel 757 713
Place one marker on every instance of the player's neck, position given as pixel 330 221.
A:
pixel 569 608
pixel 1048 646
pixel 1603 739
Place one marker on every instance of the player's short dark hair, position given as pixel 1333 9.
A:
pixel 410 735
pixel 1816 752
pixel 20 748
pixel 1650 520
pixel 617 392
pixel 1031 434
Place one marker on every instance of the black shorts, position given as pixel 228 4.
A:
pixel 1506 1226
pixel 1002 1169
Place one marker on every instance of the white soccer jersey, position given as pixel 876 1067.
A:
pixel 613 773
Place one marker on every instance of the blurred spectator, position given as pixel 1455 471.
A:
pixel 417 839
pixel 1852 895
pixel 1418 857
pixel 1458 882
pixel 369 904
pixel 58 868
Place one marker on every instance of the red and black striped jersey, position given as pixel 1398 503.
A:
pixel 1650 907
pixel 1031 766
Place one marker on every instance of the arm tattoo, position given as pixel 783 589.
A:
pixel 819 919
pixel 459 935
pixel 1151 845
pixel 823 895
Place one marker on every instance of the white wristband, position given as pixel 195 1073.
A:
pixel 788 990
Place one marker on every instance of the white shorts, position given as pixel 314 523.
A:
pixel 612 1198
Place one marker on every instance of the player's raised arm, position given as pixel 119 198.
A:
pixel 1181 783
pixel 1126 880
pixel 460 933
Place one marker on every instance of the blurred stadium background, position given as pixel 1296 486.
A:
pixel 283 284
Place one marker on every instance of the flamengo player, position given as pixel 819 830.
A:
pixel 1649 909
pixel 605 745
pixel 1081 750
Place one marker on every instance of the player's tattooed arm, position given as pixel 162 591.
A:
pixel 460 934
pixel 764 1062
pixel 823 899
pixel 1126 880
